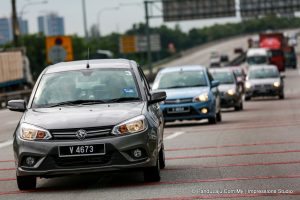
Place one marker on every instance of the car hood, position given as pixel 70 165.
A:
pixel 226 87
pixel 264 81
pixel 83 116
pixel 182 93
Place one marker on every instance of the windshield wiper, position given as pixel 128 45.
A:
pixel 123 99
pixel 77 102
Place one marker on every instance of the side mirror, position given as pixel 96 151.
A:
pixel 282 76
pixel 157 97
pixel 17 105
pixel 215 84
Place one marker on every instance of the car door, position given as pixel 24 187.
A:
pixel 215 92
pixel 154 109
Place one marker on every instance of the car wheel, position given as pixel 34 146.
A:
pixel 239 107
pixel 162 159
pixel 247 98
pixel 242 106
pixel 212 120
pixel 281 96
pixel 152 174
pixel 26 182
pixel 219 116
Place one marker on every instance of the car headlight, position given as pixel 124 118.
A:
pixel 31 132
pixel 248 85
pixel 231 92
pixel 276 84
pixel 133 125
pixel 202 98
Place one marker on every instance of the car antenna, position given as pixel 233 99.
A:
pixel 88 59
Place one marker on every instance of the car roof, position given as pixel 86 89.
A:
pixel 183 68
pixel 221 70
pixel 93 64
pixel 257 67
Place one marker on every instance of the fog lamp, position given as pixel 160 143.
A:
pixel 30 161
pixel 137 153
pixel 204 110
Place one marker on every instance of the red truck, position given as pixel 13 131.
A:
pixel 275 42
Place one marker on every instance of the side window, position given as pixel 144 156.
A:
pixel 144 82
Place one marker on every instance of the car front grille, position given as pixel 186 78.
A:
pixel 71 134
pixel 179 101
pixel 264 86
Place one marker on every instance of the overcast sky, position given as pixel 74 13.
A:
pixel 110 20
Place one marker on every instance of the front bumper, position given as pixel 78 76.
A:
pixel 228 101
pixel 253 92
pixel 192 111
pixel 118 156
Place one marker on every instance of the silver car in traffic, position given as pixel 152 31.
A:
pixel 264 80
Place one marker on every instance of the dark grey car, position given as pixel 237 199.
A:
pixel 89 117
pixel 231 90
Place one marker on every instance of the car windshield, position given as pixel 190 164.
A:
pixel 238 72
pixel 254 60
pixel 88 86
pixel 181 79
pixel 224 77
pixel 263 73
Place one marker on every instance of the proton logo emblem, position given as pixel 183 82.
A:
pixel 178 100
pixel 81 134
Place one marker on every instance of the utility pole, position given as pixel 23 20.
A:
pixel 15 24
pixel 84 20
pixel 149 54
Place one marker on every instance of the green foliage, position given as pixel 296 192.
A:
pixel 35 44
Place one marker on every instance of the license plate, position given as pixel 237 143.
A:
pixel 179 110
pixel 81 150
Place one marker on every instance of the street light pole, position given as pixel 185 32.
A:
pixel 100 13
pixel 31 4
pixel 15 24
pixel 84 20
pixel 149 54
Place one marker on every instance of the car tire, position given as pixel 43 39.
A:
pixel 239 107
pixel 212 120
pixel 26 182
pixel 281 96
pixel 219 116
pixel 247 98
pixel 162 159
pixel 152 174
pixel 242 106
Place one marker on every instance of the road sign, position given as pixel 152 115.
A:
pixel 59 49
pixel 142 43
pixel 128 44
pixel 138 43
pixel 254 8
pixel 177 10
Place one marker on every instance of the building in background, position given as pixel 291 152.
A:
pixel 6 29
pixel 51 24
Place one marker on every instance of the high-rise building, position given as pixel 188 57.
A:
pixel 51 24
pixel 5 31
pixel 6 34
pixel 23 25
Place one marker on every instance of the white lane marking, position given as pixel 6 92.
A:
pixel 6 143
pixel 174 135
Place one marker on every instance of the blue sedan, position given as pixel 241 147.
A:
pixel 192 94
